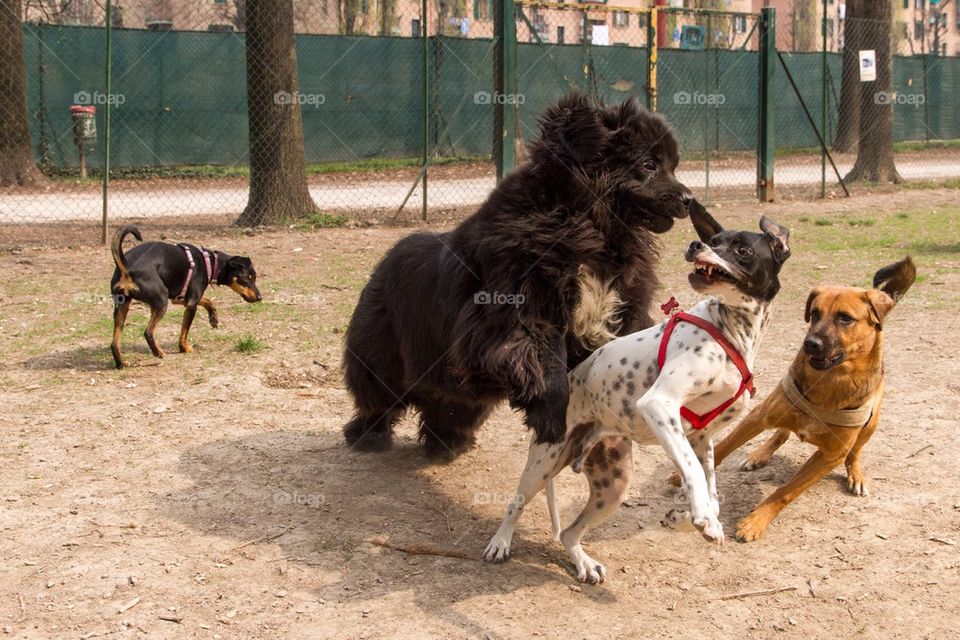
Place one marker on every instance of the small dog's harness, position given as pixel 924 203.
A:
pixel 211 262
pixel 700 421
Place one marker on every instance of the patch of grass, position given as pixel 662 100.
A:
pixel 201 171
pixel 322 220
pixel 861 223
pixel 902 215
pixel 823 222
pixel 248 344
pixel 803 219
pixel 948 183
pixel 925 145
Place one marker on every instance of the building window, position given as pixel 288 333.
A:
pixel 621 19
pixel 918 30
pixel 739 24
pixel 561 32
pixel 414 28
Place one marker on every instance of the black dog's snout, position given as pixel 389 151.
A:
pixel 813 346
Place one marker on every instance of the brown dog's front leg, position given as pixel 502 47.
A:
pixel 819 465
pixel 189 313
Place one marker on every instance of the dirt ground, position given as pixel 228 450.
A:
pixel 210 495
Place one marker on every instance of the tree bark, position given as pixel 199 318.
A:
pixel 17 166
pixel 848 122
pixel 278 172
pixel 875 151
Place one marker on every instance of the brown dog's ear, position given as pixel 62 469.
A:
pixel 810 298
pixel 896 279
pixel 880 304
pixel 704 224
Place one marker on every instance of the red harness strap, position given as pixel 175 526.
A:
pixel 746 383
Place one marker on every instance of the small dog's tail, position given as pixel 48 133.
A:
pixel 551 496
pixel 125 284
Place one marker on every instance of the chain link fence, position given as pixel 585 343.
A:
pixel 180 123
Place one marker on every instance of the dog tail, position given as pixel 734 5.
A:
pixel 125 283
pixel 551 495
pixel 895 279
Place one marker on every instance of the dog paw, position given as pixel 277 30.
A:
pixel 710 528
pixel 678 519
pixel 751 528
pixel 214 322
pixel 752 463
pixel 589 570
pixel 186 348
pixel 498 550
pixel 858 484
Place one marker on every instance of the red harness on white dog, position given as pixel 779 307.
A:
pixel 700 421
pixel 212 269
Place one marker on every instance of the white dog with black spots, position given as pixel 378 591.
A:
pixel 620 394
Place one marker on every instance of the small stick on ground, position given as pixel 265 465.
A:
pixel 23 608
pixel 420 549
pixel 129 605
pixel 919 451
pixel 260 539
pixel 946 541
pixel 170 618
pixel 751 594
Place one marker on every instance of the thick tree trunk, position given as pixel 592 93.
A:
pixel 17 167
pixel 875 151
pixel 848 122
pixel 278 173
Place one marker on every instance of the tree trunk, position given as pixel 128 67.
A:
pixel 848 122
pixel 278 172
pixel 875 151
pixel 388 16
pixel 17 167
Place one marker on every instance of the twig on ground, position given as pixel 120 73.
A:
pixel 919 451
pixel 260 539
pixel 420 549
pixel 170 618
pixel 751 594
pixel 129 605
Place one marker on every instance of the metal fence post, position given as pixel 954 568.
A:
pixel 765 147
pixel 823 102
pixel 652 59
pixel 505 88
pixel 426 105
pixel 107 54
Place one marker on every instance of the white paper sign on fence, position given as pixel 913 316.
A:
pixel 868 65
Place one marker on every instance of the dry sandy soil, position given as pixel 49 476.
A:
pixel 210 495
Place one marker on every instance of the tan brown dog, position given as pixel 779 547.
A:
pixel 831 395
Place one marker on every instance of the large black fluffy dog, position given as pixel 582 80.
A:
pixel 558 260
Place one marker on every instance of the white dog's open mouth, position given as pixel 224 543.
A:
pixel 712 272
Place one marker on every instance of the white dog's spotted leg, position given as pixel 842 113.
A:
pixel 662 414
pixel 543 462
pixel 703 448
pixel 607 467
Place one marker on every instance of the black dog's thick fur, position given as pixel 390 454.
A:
pixel 598 181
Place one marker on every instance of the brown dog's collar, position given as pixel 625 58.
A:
pixel 836 417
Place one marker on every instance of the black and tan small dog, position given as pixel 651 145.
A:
pixel 157 272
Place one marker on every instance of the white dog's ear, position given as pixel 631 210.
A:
pixel 779 237
pixel 704 223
